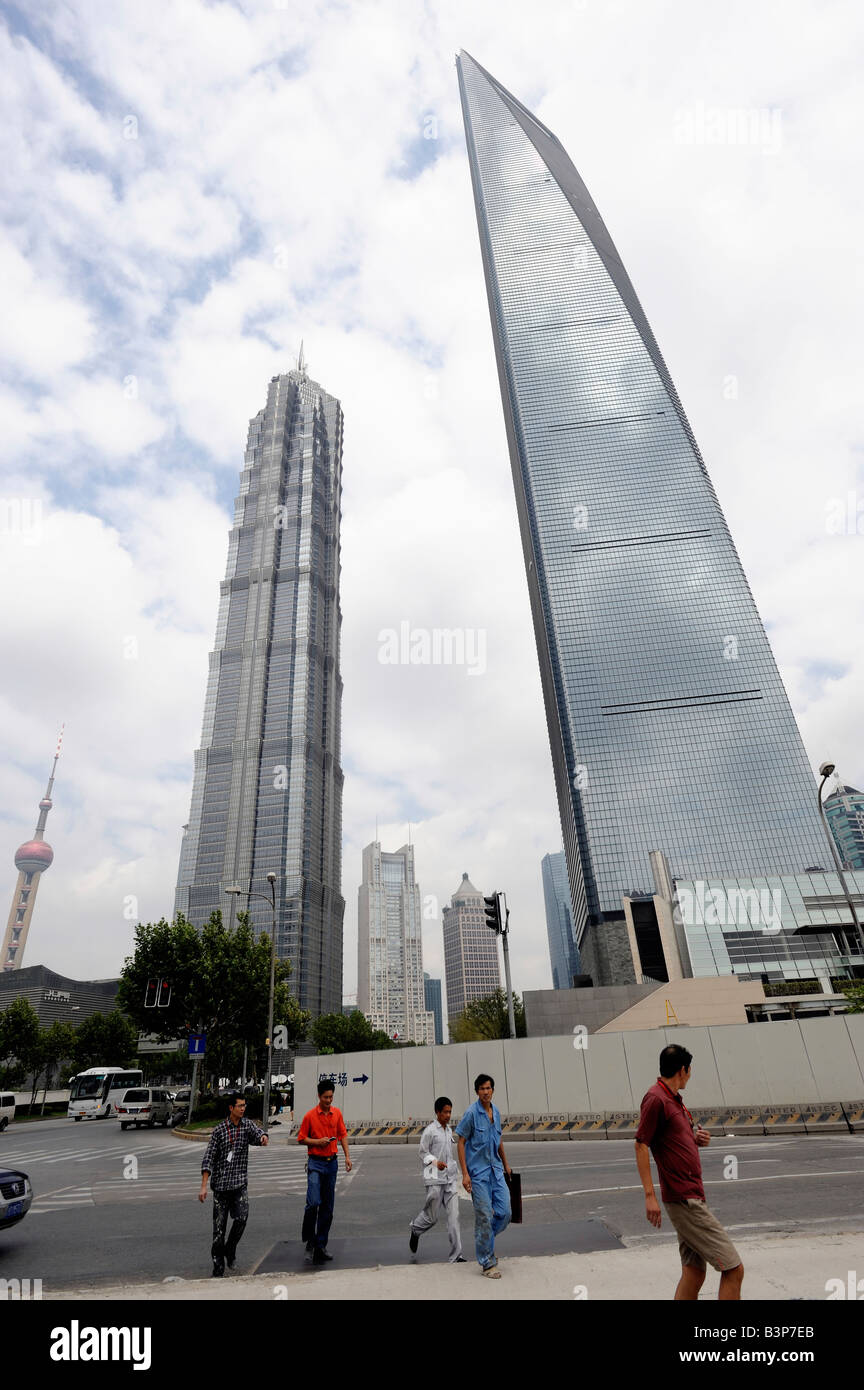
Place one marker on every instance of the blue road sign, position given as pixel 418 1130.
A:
pixel 197 1044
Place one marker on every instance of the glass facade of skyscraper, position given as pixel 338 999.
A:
pixel 669 724
pixel 844 811
pixel 267 793
pixel 432 991
pixel 563 951
pixel 783 928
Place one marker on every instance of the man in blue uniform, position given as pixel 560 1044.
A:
pixel 483 1163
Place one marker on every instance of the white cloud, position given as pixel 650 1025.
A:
pixel 266 199
pixel 42 329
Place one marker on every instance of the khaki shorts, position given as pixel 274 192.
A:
pixel 701 1238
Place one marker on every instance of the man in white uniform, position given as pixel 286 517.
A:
pixel 441 1175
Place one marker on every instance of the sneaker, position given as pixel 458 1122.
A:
pixel 218 1269
pixel 460 1260
pixel 321 1257
pixel 413 1242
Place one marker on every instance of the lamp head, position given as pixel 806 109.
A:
pixel 271 878
pixel 825 769
pixel 233 891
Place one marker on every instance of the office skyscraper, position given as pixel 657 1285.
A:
pixel 563 951
pixel 669 725
pixel 390 988
pixel 432 991
pixel 471 966
pixel 267 794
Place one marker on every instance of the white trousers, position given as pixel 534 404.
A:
pixel 438 1194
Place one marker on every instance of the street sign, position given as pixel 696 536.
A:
pixel 197 1044
pixel 364 1078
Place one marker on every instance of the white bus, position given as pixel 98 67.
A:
pixel 93 1094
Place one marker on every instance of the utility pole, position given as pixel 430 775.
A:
pixel 505 934
pixel 501 927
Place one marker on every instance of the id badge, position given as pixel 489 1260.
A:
pixel 229 1155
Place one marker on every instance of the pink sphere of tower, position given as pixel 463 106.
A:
pixel 34 856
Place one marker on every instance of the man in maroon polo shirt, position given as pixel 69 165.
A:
pixel 668 1131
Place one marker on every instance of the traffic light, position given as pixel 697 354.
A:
pixel 164 993
pixel 150 994
pixel 492 909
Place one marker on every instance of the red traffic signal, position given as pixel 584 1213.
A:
pixel 150 994
pixel 164 993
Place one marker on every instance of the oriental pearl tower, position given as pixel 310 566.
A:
pixel 31 860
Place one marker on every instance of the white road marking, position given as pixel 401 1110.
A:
pixel 708 1182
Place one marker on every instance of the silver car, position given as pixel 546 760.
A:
pixel 145 1105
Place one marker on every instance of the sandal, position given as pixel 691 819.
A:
pixel 492 1272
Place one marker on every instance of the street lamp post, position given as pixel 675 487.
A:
pixel 239 892
pixel 825 771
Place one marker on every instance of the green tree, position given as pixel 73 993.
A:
pixel 108 1039
pixel 220 985
pixel 336 1033
pixel 158 1066
pixel 58 1045
pixel 20 1042
pixel 855 993
pixel 486 1018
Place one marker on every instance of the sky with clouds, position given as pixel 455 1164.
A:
pixel 190 190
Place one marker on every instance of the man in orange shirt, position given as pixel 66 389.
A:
pixel 320 1130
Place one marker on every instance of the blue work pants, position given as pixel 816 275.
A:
pixel 491 1197
pixel 320 1194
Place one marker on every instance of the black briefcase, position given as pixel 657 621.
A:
pixel 514 1182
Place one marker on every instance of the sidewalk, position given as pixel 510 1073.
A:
pixel 776 1267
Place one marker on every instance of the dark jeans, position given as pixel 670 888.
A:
pixel 231 1202
pixel 320 1194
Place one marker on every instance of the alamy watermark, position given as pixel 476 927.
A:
pixel 438 646
pixel 727 907
pixel 760 126
pixel 851 1287
pixel 844 516
pixel 20 1290
pixel 22 517
pixel 77 1343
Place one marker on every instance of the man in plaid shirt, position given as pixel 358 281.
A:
pixel 227 1162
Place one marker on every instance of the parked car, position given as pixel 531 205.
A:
pixel 7 1109
pixel 16 1197
pixel 145 1105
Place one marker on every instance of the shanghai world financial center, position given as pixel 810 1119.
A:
pixel 267 791
pixel 669 724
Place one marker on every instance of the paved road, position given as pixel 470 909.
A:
pixel 92 1224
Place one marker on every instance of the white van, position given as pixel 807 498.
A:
pixel 7 1109
pixel 145 1106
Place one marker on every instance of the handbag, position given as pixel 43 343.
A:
pixel 514 1183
